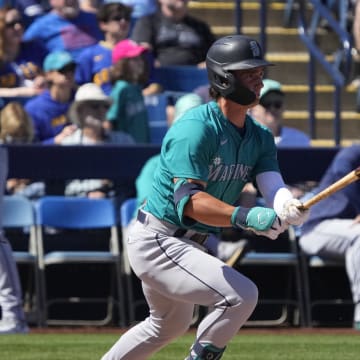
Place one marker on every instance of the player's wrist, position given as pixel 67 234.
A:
pixel 238 217
pixel 257 218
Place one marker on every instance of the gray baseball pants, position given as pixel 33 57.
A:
pixel 176 274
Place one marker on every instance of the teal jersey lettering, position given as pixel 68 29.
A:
pixel 205 145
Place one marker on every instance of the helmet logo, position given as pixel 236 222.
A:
pixel 255 49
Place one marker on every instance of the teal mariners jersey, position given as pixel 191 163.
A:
pixel 205 145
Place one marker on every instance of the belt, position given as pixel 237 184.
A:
pixel 170 229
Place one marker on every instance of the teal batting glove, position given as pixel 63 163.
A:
pixel 257 218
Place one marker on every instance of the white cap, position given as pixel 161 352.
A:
pixel 91 92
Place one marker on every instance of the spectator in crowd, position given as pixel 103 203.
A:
pixel 65 27
pixel 21 75
pixel 270 111
pixel 175 37
pixel 12 320
pixel 88 112
pixel 16 127
pixel 15 124
pixel 140 8
pixel 31 9
pixel 333 228
pixel 128 112
pixel 91 6
pixel 48 110
pixel 94 63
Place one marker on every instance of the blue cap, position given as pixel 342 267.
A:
pixel 57 60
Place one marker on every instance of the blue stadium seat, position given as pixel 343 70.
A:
pixel 74 230
pixel 156 107
pixel 180 78
pixel 19 227
pixel 127 210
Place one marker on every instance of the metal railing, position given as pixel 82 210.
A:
pixel 339 68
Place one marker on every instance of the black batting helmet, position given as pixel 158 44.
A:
pixel 233 52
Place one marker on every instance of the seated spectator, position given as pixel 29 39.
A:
pixel 21 75
pixel 128 112
pixel 88 112
pixel 333 228
pixel 31 9
pixel 94 63
pixel 16 127
pixel 140 8
pixel 65 27
pixel 175 37
pixel 49 109
pixel 269 112
pixel 91 6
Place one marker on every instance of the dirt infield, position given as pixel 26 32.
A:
pixel 272 330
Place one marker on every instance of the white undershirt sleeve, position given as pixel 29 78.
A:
pixel 273 189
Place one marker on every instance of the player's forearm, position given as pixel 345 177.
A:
pixel 208 210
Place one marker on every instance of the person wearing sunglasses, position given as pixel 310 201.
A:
pixel 21 75
pixel 270 111
pixel 49 109
pixel 94 63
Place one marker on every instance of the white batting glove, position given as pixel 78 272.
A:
pixel 277 227
pixel 292 212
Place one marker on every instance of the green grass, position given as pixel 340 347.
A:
pixel 242 347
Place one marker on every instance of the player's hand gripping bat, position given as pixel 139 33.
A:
pixel 351 177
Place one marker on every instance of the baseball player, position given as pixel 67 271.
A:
pixel 206 158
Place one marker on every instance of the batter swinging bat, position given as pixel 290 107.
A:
pixel 331 189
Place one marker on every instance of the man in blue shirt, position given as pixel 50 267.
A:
pixel 65 27
pixel 333 228
pixel 49 109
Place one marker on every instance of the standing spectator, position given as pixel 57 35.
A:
pixel 175 37
pixel 333 228
pixel 65 27
pixel 270 112
pixel 48 110
pixel 94 63
pixel 21 75
pixel 128 112
pixel 12 314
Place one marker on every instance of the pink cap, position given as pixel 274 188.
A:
pixel 126 49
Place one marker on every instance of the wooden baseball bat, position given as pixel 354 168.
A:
pixel 351 177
